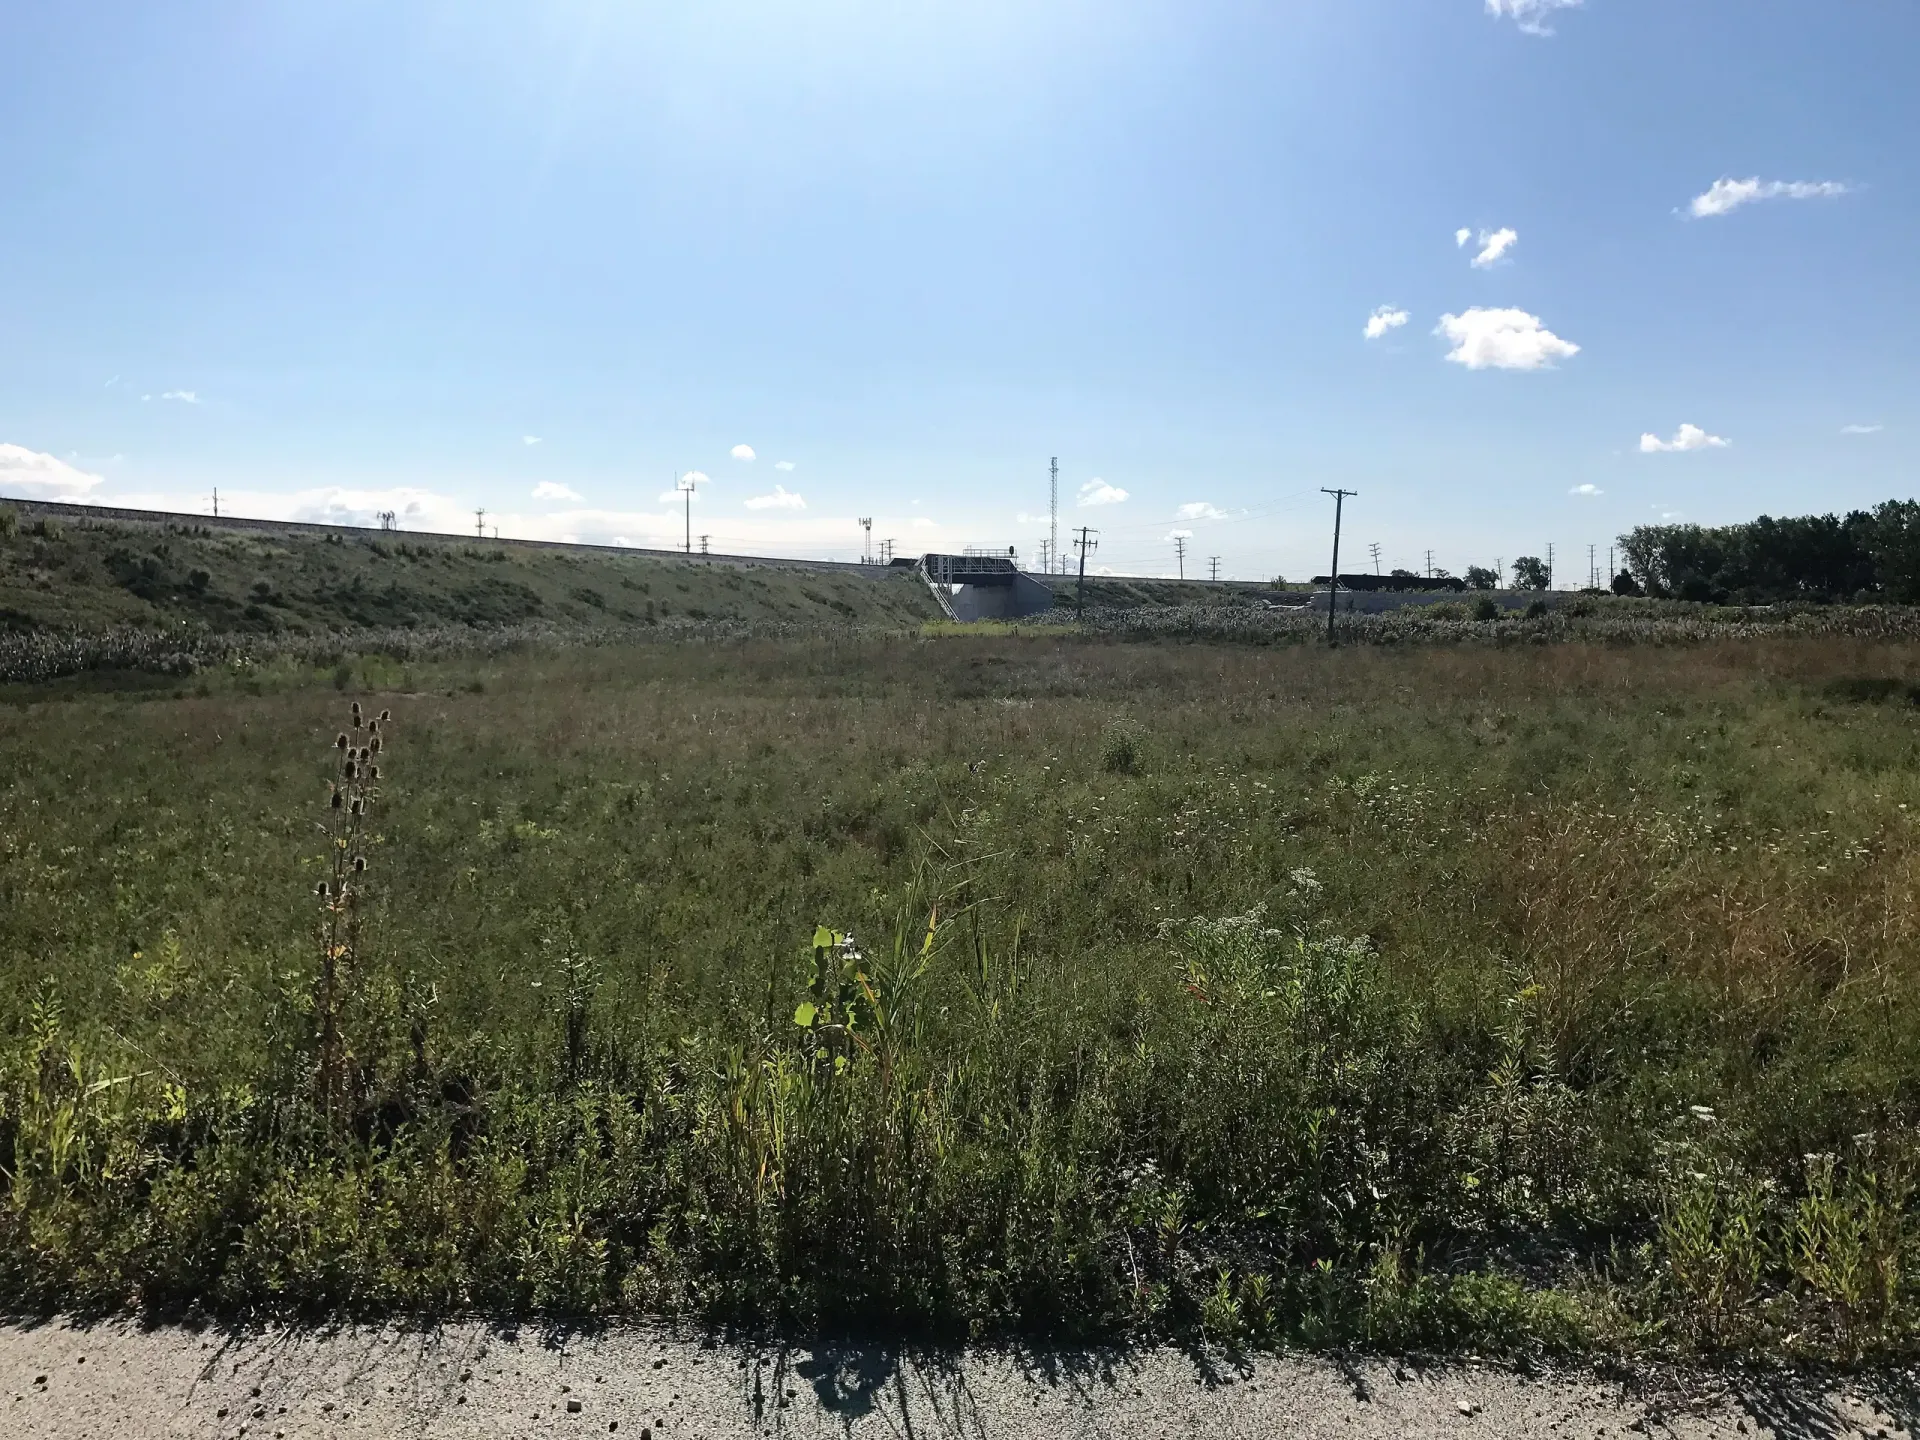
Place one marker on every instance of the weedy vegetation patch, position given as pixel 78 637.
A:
pixel 1505 997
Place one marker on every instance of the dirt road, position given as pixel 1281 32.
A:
pixel 115 1379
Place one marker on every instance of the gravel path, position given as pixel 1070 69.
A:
pixel 119 1380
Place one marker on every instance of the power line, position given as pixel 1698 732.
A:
pixel 1333 575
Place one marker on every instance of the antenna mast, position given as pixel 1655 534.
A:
pixel 1053 514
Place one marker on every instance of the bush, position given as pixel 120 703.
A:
pixel 1486 608
pixel 1120 748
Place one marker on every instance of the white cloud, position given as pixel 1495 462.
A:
pixel 1098 492
pixel 1179 535
pixel 1493 245
pixel 742 452
pixel 921 522
pixel 1502 340
pixel 31 475
pixel 1726 195
pixel 554 490
pixel 780 499
pixel 185 397
pixel 1687 437
pixel 783 465
pixel 1530 15
pixel 1861 429
pixel 1460 238
pixel 1384 319
pixel 1586 490
pixel 529 439
pixel 1199 510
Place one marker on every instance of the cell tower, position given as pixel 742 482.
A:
pixel 866 547
pixel 1053 514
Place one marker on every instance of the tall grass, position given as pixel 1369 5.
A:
pixel 1554 995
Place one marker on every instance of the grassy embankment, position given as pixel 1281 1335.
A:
pixel 90 575
pixel 1555 995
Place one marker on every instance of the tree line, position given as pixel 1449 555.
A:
pixel 1870 555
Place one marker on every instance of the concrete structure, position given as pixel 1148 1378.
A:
pixel 978 586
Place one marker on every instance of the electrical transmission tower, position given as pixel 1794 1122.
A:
pixel 1180 554
pixel 1549 565
pixel 703 543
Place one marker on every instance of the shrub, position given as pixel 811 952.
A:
pixel 1120 748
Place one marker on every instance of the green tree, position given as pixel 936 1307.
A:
pixel 1479 577
pixel 1530 573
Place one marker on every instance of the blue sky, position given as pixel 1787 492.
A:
pixel 430 257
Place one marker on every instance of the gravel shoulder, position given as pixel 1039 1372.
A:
pixel 118 1379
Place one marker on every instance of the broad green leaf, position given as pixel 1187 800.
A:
pixel 803 1015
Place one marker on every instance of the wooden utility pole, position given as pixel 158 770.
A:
pixel 1333 575
pixel 1080 593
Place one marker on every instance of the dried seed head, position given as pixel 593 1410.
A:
pixel 386 714
pixel 374 749
pixel 356 707
pixel 373 772
pixel 323 889
pixel 359 863
pixel 340 740
pixel 359 807
pixel 347 769
pixel 335 802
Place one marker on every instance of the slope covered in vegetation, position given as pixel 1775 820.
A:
pixel 89 574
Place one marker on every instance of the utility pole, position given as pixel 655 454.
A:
pixel 1499 573
pixel 216 502
pixel 1180 554
pixel 1333 575
pixel 685 485
pixel 1429 564
pixel 480 524
pixel 886 552
pixel 389 520
pixel 1053 512
pixel 1611 572
pixel 703 543
pixel 1549 565
pixel 1593 567
pixel 1214 561
pixel 866 545
pixel 1375 548
pixel 1086 544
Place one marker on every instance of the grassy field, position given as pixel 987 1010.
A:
pixel 86 575
pixel 1494 996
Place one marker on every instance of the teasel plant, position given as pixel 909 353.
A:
pixel 351 795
